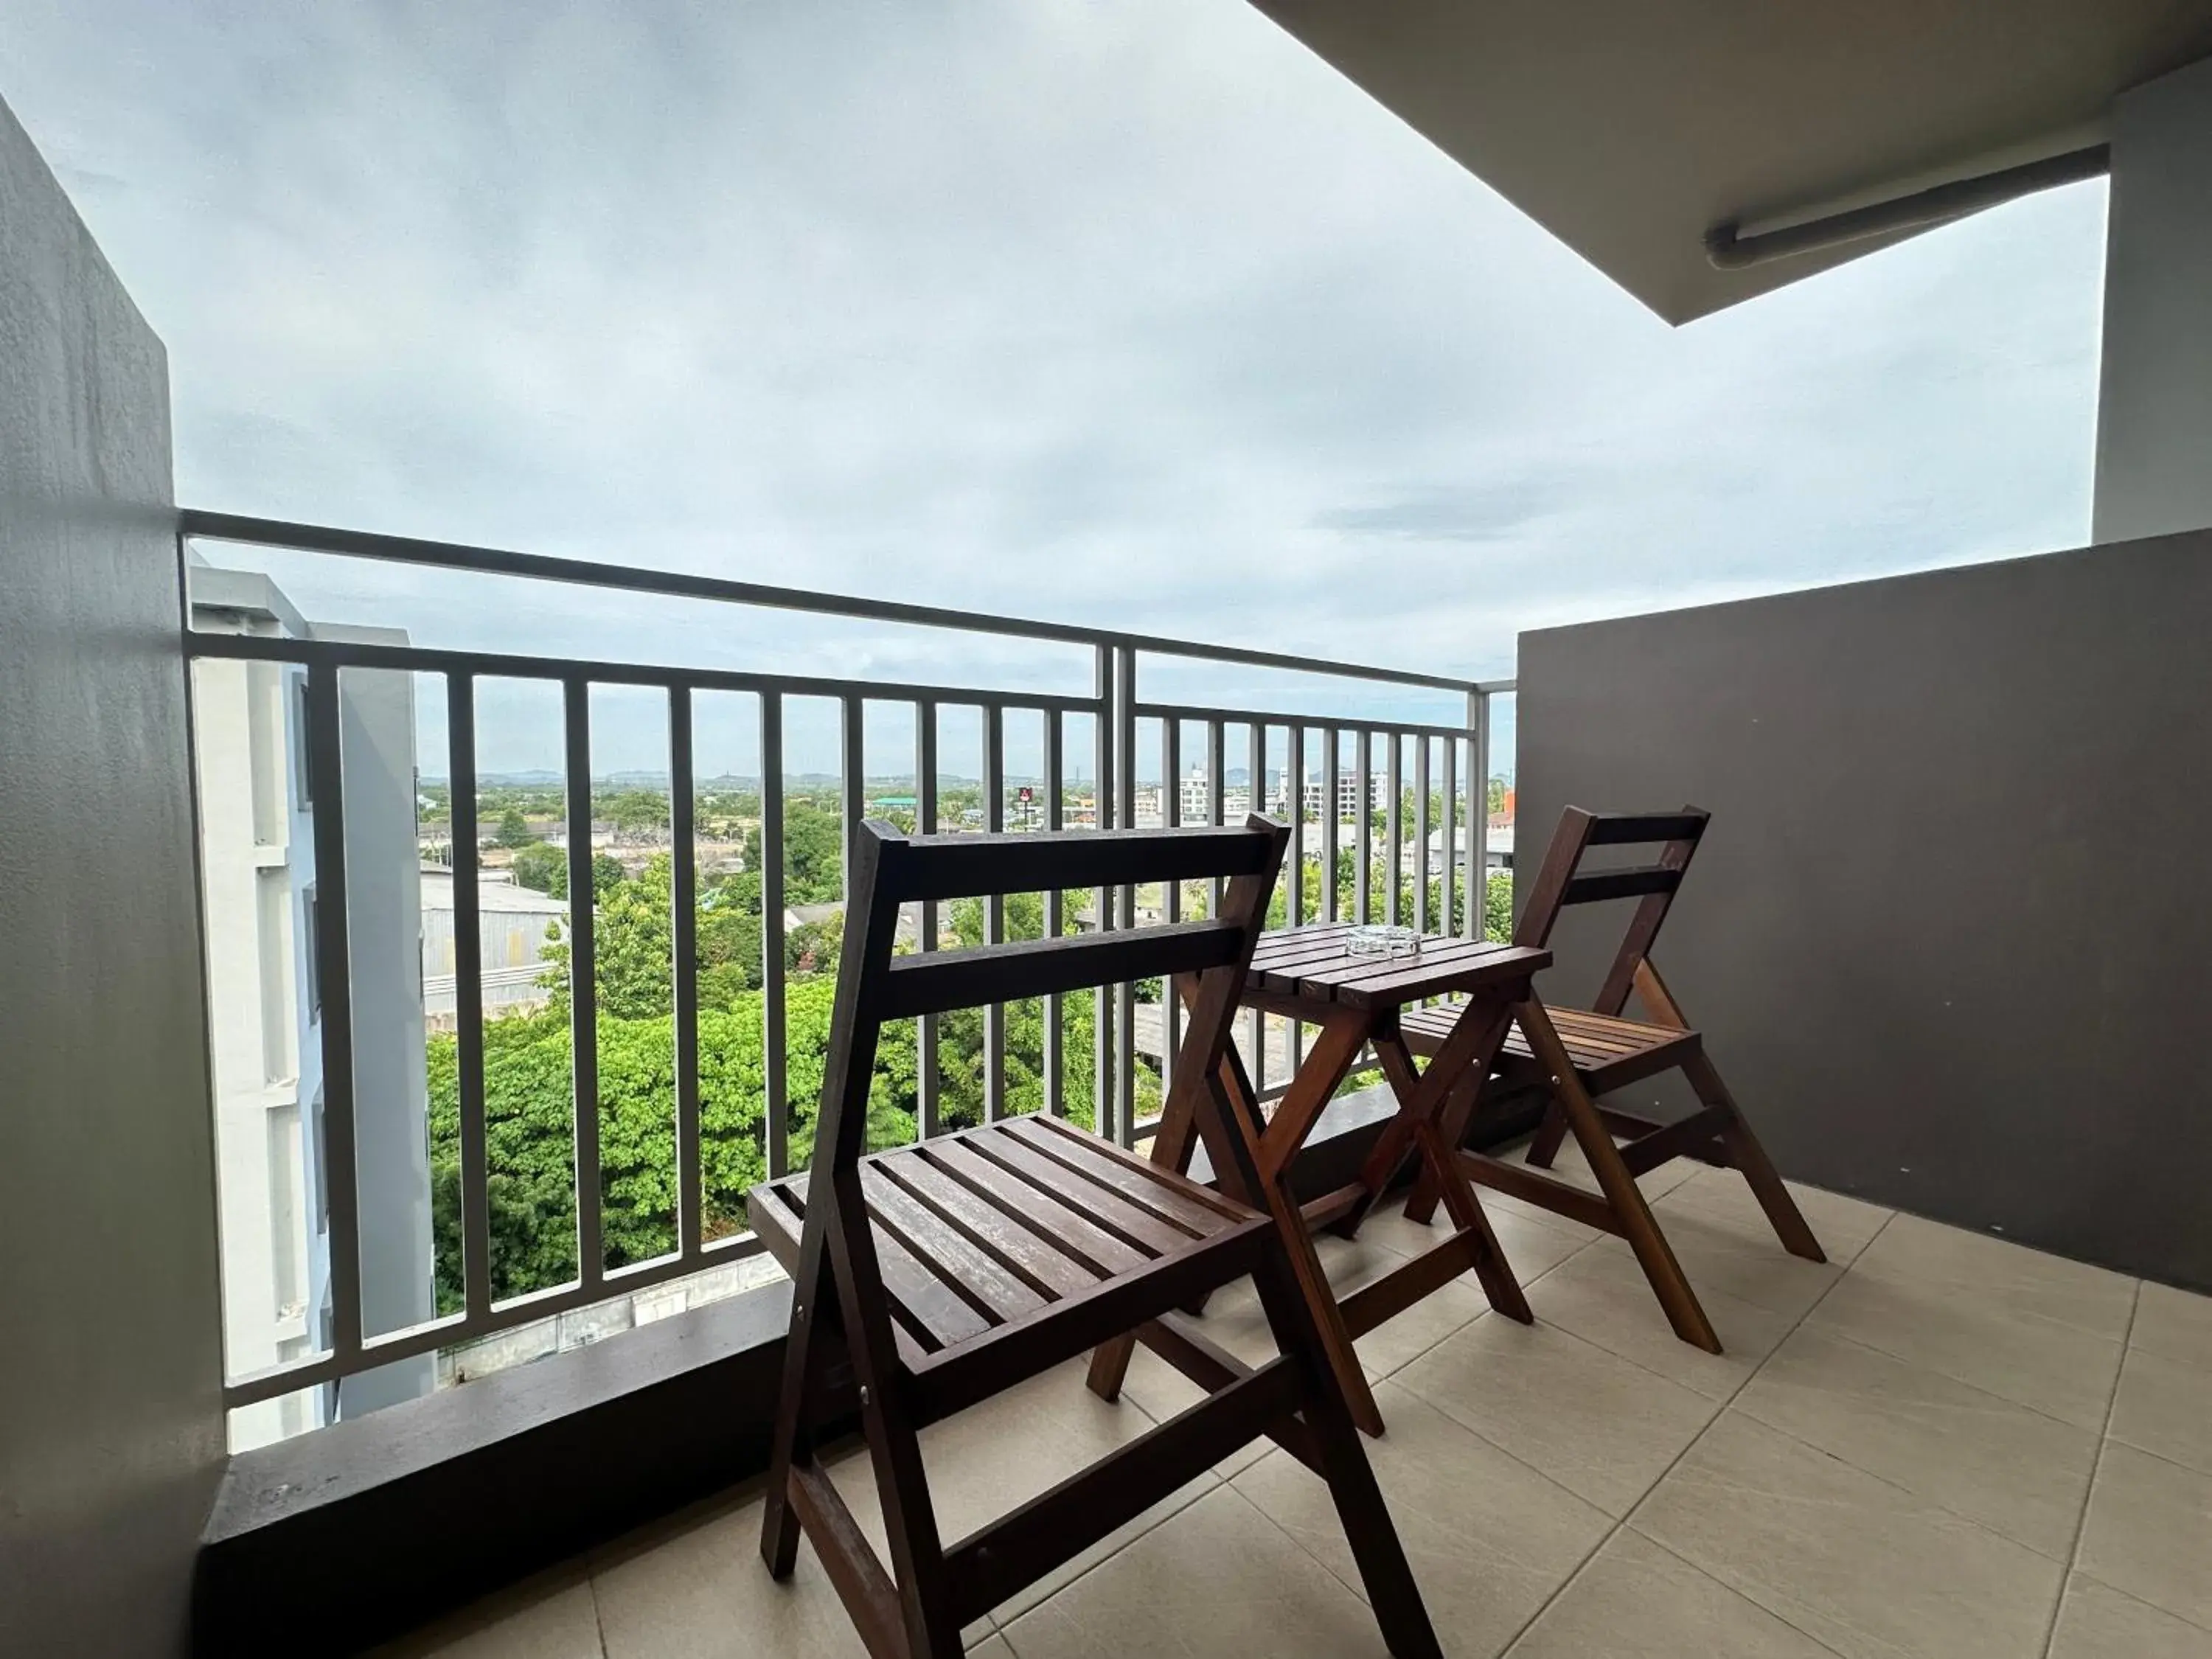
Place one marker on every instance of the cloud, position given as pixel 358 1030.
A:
pixel 1453 512
pixel 1135 315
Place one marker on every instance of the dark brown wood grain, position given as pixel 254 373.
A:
pixel 1036 1208
pixel 940 1275
pixel 1031 1256
pixel 1581 1054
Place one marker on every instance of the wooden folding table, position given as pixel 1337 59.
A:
pixel 1312 975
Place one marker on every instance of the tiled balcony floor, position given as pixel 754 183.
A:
pixel 1941 1445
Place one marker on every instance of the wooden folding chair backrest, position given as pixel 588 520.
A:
pixel 890 870
pixel 1561 881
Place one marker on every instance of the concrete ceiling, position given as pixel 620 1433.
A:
pixel 1629 128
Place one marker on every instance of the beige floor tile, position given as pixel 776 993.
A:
pixel 1061 1577
pixel 1748 1273
pixel 994 1648
pixel 1490 1540
pixel 2165 1408
pixel 2053 1367
pixel 1235 1320
pixel 1532 1247
pixel 1218 1577
pixel 1603 1296
pixel 2013 1469
pixel 2097 1622
pixel 1844 1226
pixel 1498 1203
pixel 700 1591
pixel 995 1457
pixel 1396 1343
pixel 2176 1324
pixel 1573 1167
pixel 1717 1256
pixel 1636 1600
pixel 1602 1427
pixel 1863 1567
pixel 1995 1273
pixel 549 1616
pixel 2149 1532
pixel 1161 1391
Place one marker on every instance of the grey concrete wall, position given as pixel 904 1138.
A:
pixel 1949 932
pixel 2155 396
pixel 111 1428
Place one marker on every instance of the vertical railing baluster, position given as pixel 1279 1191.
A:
pixel 1362 899
pixel 1055 914
pixel 468 993
pixel 1124 1076
pixel 1294 906
pixel 1104 662
pixel 851 781
pixel 927 1079
pixel 1171 897
pixel 1217 763
pixel 683 926
pixel 583 981
pixel 1477 816
pixel 1255 795
pixel 1421 832
pixel 1294 802
pixel 1332 818
pixel 774 1074
pixel 334 979
pixel 1451 838
pixel 1394 827
pixel 994 910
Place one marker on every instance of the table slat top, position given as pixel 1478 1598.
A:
pixel 1314 962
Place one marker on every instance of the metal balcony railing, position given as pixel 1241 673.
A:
pixel 1341 759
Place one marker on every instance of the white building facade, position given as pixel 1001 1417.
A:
pixel 263 912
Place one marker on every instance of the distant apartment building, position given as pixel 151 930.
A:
pixel 1348 794
pixel 1194 799
pixel 266 1004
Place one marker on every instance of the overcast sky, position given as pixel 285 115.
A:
pixel 1129 313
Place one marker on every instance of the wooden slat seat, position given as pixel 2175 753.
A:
pixel 993 1226
pixel 928 1279
pixel 1579 1056
pixel 1609 1053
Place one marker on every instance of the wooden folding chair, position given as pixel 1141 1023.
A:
pixel 928 1279
pixel 1580 1054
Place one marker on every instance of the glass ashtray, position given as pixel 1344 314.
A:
pixel 1370 941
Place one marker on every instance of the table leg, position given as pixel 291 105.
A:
pixel 1458 1112
pixel 1326 1065
pixel 1422 1101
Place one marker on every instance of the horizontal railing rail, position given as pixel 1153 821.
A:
pixel 194 523
pixel 1307 753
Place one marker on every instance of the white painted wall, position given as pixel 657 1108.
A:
pixel 2154 400
pixel 258 867
pixel 256 860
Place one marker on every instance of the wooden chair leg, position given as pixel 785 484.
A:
pixel 805 1359
pixel 1750 1160
pixel 917 1554
pixel 1392 1591
pixel 1626 1199
pixel 1492 1270
pixel 1458 1112
pixel 1551 1135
